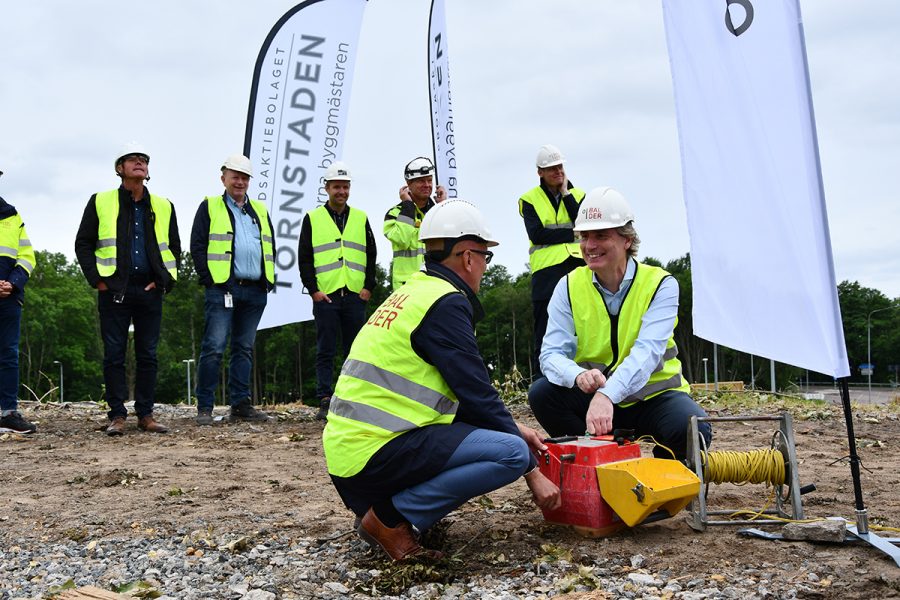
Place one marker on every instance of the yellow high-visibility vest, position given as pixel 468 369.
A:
pixel 339 258
pixel 385 388
pixel 107 204
pixel 14 243
pixel 408 252
pixel 220 246
pixel 541 256
pixel 598 348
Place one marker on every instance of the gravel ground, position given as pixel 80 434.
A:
pixel 247 512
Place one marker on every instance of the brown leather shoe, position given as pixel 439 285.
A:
pixel 149 424
pixel 399 542
pixel 116 427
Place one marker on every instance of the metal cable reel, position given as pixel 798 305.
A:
pixel 775 466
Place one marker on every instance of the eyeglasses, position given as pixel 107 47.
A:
pixel 487 254
pixel 141 157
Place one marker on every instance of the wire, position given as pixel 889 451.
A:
pixel 754 466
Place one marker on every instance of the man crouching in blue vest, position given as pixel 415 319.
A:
pixel 415 428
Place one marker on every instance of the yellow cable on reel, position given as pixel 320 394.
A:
pixel 764 465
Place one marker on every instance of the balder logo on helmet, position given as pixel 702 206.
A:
pixel 748 16
pixel 592 212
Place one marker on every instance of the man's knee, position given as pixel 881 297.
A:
pixel 540 396
pixel 519 456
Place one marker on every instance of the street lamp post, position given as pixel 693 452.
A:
pixel 705 379
pixel 61 390
pixel 869 345
pixel 187 362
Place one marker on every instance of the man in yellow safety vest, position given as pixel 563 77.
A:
pixel 16 263
pixel 232 247
pixel 401 223
pixel 609 356
pixel 548 211
pixel 337 256
pixel 128 248
pixel 415 427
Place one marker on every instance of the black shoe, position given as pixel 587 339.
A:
pixel 245 412
pixel 16 423
pixel 322 414
pixel 204 417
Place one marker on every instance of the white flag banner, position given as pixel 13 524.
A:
pixel 443 135
pixel 763 275
pixel 295 129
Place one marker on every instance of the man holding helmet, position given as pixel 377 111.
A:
pixel 609 356
pixel 548 211
pixel 232 248
pixel 336 255
pixel 401 223
pixel 128 248
pixel 415 427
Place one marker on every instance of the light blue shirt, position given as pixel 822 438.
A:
pixel 657 325
pixel 247 259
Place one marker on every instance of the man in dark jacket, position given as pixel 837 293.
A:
pixel 415 428
pixel 128 248
pixel 16 264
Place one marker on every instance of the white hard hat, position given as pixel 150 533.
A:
pixel 418 167
pixel 239 163
pixel 549 156
pixel 603 208
pixel 453 219
pixel 337 171
pixel 129 148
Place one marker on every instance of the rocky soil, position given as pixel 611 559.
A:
pixel 247 512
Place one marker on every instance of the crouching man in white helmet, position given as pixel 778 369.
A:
pixel 415 428
pixel 609 355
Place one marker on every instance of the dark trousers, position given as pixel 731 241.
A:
pixel 344 316
pixel 144 310
pixel 562 411
pixel 10 318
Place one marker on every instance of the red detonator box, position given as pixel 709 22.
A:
pixel 571 463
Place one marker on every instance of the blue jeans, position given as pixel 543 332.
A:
pixel 240 323
pixel 144 310
pixel 10 318
pixel 562 411
pixel 485 461
pixel 344 315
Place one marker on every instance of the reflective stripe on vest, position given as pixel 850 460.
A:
pixel 598 348
pixel 406 261
pixel 14 243
pixel 107 204
pixel 339 258
pixel 541 256
pixel 385 388
pixel 220 246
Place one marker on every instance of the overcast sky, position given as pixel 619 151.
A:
pixel 80 78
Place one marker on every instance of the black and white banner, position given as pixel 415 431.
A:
pixel 763 276
pixel 295 129
pixel 442 132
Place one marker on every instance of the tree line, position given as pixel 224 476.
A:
pixel 60 328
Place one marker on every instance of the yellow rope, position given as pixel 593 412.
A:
pixel 765 465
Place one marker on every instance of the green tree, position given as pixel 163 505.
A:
pixel 60 323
